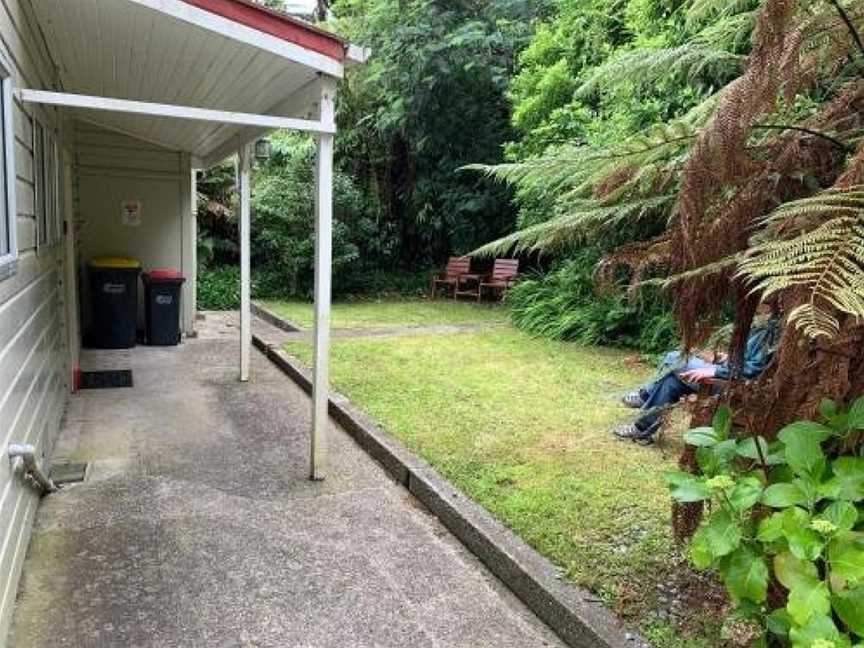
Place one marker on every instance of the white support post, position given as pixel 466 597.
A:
pixel 323 270
pixel 244 157
pixel 191 231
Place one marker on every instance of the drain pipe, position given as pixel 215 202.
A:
pixel 27 454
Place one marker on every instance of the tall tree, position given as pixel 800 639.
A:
pixel 432 99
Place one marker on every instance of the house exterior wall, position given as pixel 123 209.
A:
pixel 111 169
pixel 34 359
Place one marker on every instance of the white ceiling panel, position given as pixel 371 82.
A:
pixel 124 50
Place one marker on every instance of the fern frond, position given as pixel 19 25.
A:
pixel 831 202
pixel 644 66
pixel 701 11
pixel 827 261
pixel 575 170
pixel 697 273
pixel 583 219
pixel 728 34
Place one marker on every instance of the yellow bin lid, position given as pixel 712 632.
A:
pixel 115 262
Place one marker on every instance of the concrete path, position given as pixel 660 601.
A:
pixel 197 527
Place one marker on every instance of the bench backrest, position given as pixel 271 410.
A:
pixel 505 269
pixel 457 266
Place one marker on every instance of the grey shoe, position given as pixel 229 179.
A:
pixel 633 399
pixel 629 432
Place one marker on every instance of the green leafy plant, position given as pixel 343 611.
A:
pixel 564 304
pixel 784 528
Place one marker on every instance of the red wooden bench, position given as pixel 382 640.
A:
pixel 505 272
pixel 503 275
pixel 449 277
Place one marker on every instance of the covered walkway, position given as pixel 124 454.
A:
pixel 198 526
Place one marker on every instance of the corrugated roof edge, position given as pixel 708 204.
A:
pixel 281 25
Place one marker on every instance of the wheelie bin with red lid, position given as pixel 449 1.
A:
pixel 162 291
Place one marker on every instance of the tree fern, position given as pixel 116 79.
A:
pixel 730 34
pixel 583 220
pixel 693 61
pixel 701 11
pixel 827 262
pixel 570 168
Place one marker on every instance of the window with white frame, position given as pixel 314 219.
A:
pixel 8 246
pixel 46 164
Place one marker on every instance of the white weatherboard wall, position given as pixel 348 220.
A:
pixel 113 169
pixel 33 355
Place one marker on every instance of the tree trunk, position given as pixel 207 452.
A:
pixel 805 371
pixel 321 9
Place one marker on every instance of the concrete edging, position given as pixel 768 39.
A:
pixel 572 613
pixel 272 318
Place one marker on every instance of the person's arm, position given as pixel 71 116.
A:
pixel 699 375
pixel 756 358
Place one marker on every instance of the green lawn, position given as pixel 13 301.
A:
pixel 374 314
pixel 521 425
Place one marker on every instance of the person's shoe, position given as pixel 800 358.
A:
pixel 633 399
pixel 629 432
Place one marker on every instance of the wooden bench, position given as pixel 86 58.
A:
pixel 449 277
pixel 504 276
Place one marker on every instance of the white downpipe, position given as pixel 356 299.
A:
pixel 243 176
pixel 323 271
pixel 27 454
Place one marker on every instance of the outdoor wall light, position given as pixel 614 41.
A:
pixel 262 149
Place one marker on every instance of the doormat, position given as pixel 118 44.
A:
pixel 106 379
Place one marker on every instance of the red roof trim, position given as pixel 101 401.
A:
pixel 276 24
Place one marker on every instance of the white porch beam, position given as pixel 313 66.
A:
pixel 88 102
pixel 301 104
pixel 323 271
pixel 244 159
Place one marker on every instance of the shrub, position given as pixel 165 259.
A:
pixel 564 304
pixel 219 288
pixel 784 530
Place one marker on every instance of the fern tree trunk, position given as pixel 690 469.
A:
pixel 805 372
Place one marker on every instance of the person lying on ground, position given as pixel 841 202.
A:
pixel 680 375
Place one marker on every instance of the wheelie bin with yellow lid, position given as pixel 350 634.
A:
pixel 114 300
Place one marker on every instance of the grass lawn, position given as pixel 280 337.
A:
pixel 374 314
pixel 521 425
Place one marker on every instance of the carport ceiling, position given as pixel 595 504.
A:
pixel 148 50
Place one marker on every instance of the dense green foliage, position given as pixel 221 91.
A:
pixel 594 76
pixel 432 99
pixel 565 304
pixel 789 513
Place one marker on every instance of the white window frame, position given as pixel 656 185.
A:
pixel 40 178
pixel 9 220
pixel 57 212
pixel 46 166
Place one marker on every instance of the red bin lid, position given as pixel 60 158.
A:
pixel 165 273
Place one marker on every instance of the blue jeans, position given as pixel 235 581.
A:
pixel 668 388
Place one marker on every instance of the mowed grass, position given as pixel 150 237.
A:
pixel 380 314
pixel 522 426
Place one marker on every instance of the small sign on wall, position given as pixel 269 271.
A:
pixel 131 213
